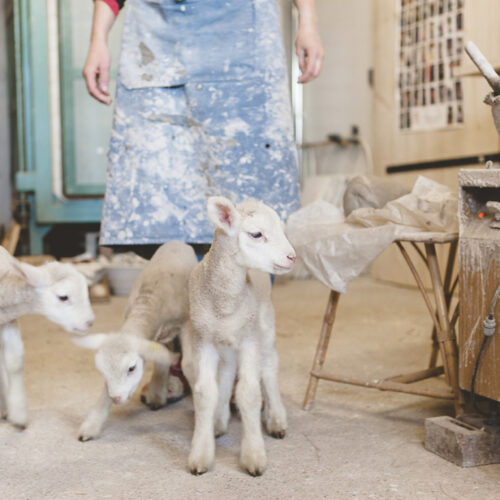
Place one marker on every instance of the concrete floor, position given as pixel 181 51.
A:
pixel 355 443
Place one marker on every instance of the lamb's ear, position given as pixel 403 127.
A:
pixel 156 352
pixel 223 214
pixel 93 341
pixel 36 276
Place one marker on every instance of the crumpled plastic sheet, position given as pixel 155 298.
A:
pixel 336 250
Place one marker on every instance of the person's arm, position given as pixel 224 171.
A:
pixel 96 69
pixel 308 44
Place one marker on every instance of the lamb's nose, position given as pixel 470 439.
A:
pixel 89 323
pixel 116 400
pixel 291 257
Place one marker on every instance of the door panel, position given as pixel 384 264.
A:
pixel 86 123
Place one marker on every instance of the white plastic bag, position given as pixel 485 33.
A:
pixel 336 251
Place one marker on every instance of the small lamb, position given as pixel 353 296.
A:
pixel 232 331
pixel 156 311
pixel 55 290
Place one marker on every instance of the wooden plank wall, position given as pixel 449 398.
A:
pixel 390 146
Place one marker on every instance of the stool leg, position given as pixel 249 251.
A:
pixel 319 357
pixel 435 349
pixel 448 289
pixel 447 342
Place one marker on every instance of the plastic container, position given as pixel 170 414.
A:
pixel 122 278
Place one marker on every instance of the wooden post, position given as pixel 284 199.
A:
pixel 11 238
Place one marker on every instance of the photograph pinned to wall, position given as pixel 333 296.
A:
pixel 430 56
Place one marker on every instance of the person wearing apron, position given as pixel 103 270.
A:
pixel 202 109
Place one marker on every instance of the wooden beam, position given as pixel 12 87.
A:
pixel 11 238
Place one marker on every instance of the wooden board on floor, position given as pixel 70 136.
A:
pixel 11 238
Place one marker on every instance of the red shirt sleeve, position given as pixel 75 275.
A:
pixel 114 5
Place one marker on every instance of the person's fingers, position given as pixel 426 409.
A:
pixel 301 54
pixel 96 92
pixel 90 75
pixel 104 80
pixel 313 67
pixel 308 72
pixel 318 66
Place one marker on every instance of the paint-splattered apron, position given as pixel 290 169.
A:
pixel 202 109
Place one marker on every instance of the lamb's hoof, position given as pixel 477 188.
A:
pixel 198 472
pixel 197 468
pixel 275 424
pixel 18 422
pixel 19 426
pixel 256 469
pixel 88 431
pixel 153 405
pixel 201 457
pixel 84 438
pixel 253 460
pixel 256 472
pixel 221 425
pixel 278 434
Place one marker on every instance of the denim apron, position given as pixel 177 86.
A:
pixel 202 109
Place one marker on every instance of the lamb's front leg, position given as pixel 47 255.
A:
pixel 91 427
pixel 204 389
pixel 13 361
pixel 274 411
pixel 249 400
pixel 155 393
pixel 227 373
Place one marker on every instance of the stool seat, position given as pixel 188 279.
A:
pixel 420 237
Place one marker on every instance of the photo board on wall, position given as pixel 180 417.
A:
pixel 430 55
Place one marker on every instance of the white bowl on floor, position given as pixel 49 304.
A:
pixel 122 278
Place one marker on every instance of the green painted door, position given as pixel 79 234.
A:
pixel 60 134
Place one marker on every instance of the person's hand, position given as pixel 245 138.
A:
pixel 309 51
pixel 96 71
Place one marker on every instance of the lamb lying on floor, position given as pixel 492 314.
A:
pixel 55 290
pixel 156 312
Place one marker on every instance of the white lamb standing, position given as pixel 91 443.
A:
pixel 232 331
pixel 55 290
pixel 157 310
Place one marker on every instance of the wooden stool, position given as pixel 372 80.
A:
pixel 443 333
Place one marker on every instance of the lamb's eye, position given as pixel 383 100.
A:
pixel 256 236
pixel 131 369
pixel 63 298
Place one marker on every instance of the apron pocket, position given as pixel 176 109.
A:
pixel 166 43
pixel 220 40
pixel 150 55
